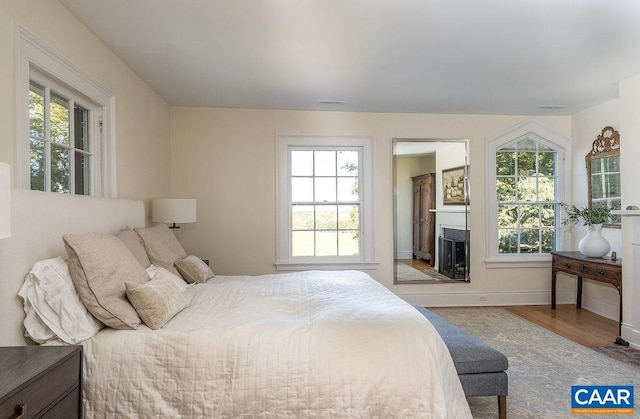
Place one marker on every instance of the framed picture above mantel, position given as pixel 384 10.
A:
pixel 453 186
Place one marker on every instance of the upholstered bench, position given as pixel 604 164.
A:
pixel 481 368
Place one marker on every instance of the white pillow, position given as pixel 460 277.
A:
pixel 157 272
pixel 51 302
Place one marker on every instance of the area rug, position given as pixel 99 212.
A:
pixel 542 365
pixel 408 273
pixel 624 354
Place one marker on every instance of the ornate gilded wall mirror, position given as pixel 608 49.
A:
pixel 603 173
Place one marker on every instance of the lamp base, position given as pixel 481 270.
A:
pixel 174 225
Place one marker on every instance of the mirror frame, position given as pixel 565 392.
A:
pixel 607 144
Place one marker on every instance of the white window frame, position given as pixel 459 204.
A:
pixel 284 260
pixel 35 60
pixel 552 139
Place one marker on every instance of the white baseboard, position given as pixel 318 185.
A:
pixel 405 254
pixel 631 335
pixel 509 299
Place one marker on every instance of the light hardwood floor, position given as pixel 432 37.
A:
pixel 578 325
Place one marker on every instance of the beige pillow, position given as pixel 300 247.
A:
pixel 156 301
pixel 99 265
pixel 132 240
pixel 194 270
pixel 162 246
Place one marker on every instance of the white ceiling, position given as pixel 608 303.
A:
pixel 432 56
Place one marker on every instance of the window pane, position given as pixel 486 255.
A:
pixel 547 163
pixel 548 215
pixel 506 188
pixel 302 189
pixel 302 243
pixel 81 128
pixel 326 243
pixel 348 217
pixel 596 186
pixel 507 241
pixel 505 163
pixel 526 163
pixel 302 163
pixel 529 241
pixel 347 163
pixel 546 189
pixel 37 163
pixel 325 189
pixel 348 189
pixel 548 240
pixel 82 173
pixel 302 217
pixel 59 119
pixel 326 217
pixel 325 163
pixel 348 243
pixel 527 189
pixel 507 216
pixel 60 169
pixel 36 111
pixel 527 144
pixel 612 185
pixel 529 216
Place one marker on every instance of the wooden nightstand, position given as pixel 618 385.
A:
pixel 40 381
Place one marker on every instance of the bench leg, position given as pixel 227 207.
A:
pixel 502 407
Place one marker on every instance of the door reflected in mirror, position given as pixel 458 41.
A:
pixel 431 236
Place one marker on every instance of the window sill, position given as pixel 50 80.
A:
pixel 330 266
pixel 535 261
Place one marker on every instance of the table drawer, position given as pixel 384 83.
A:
pixel 66 408
pixel 602 272
pixel 39 394
pixel 568 265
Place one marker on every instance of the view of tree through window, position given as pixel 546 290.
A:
pixel 59 151
pixel 325 203
pixel 526 179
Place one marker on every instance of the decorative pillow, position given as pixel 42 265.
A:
pixel 99 265
pixel 162 246
pixel 132 240
pixel 156 301
pixel 52 306
pixel 157 272
pixel 194 270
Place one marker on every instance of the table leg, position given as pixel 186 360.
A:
pixel 579 296
pixel 553 288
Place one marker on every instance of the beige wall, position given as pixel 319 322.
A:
pixel 142 126
pixel 142 117
pixel 226 158
pixel 630 169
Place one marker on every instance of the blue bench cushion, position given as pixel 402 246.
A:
pixel 470 355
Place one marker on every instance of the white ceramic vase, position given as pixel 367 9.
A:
pixel 593 245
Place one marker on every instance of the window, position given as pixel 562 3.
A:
pixel 524 217
pixel 65 143
pixel 325 211
pixel 60 144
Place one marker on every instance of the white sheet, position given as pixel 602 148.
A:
pixel 309 344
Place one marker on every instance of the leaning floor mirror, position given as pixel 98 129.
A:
pixel 431 210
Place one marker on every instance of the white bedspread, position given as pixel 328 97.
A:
pixel 309 344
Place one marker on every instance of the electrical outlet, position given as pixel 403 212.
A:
pixel 482 298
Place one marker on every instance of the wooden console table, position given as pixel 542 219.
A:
pixel 597 269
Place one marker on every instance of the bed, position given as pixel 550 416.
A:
pixel 306 344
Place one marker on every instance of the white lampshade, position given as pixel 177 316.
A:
pixel 5 200
pixel 173 210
